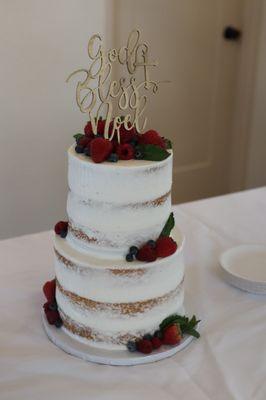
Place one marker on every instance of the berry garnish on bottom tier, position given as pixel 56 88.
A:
pixel 170 333
pixel 144 346
pixel 50 307
pixel 156 342
pixel 49 290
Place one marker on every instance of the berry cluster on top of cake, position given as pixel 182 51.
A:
pixel 119 258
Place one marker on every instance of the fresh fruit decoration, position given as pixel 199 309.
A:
pixel 50 307
pixel 147 146
pixel 61 228
pixel 170 333
pixel 164 246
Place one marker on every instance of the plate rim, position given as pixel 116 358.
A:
pixel 225 268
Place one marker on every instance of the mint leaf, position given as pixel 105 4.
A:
pixel 170 223
pixel 193 332
pixel 173 319
pixel 153 153
pixel 78 136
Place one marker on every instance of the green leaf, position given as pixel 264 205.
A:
pixel 78 136
pixel 168 143
pixel 170 223
pixel 173 319
pixel 153 153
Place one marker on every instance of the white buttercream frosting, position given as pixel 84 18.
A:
pixel 117 204
pixel 112 206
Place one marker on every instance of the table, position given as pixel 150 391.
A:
pixel 227 362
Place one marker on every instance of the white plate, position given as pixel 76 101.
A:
pixel 245 267
pixel 101 356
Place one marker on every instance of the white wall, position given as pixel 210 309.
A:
pixel 256 163
pixel 41 43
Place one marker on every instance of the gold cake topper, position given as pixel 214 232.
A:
pixel 97 92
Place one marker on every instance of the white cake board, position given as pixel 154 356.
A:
pixel 102 356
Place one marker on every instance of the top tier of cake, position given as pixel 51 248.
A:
pixel 112 206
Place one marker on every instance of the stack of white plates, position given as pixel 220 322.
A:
pixel 245 267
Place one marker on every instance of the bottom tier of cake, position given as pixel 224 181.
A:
pixel 106 303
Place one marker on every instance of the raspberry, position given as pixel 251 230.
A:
pixel 60 226
pixel 172 335
pixel 152 137
pixel 49 290
pixel 46 306
pixel 156 342
pixel 144 346
pixel 146 253
pixel 100 149
pixel 125 151
pixel 165 246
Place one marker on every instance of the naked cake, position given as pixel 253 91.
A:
pixel 119 257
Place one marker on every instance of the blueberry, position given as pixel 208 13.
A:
pixel 58 323
pixel 147 336
pixel 131 346
pixel 158 334
pixel 63 234
pixel 152 244
pixel 87 151
pixel 138 155
pixel 133 250
pixel 53 306
pixel 79 149
pixel 113 157
pixel 129 257
pixel 98 135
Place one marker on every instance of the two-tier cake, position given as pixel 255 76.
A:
pixel 119 258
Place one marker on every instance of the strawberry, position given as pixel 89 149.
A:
pixel 172 335
pixel 152 137
pixel 144 346
pixel 127 136
pixel 165 246
pixel 146 253
pixel 125 151
pixel 49 290
pixel 156 342
pixel 100 149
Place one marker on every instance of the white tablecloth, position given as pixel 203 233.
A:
pixel 227 362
